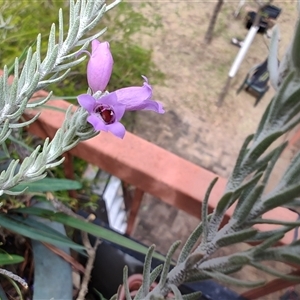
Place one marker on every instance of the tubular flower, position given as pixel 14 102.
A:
pixel 105 112
pixel 138 98
pixel 100 66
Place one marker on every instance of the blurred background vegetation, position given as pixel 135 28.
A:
pixel 23 20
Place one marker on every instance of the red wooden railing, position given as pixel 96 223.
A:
pixel 153 170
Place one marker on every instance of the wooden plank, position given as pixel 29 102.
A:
pixel 149 168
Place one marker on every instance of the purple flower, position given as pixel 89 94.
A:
pixel 104 113
pixel 138 98
pixel 100 66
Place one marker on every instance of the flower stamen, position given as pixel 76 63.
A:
pixel 106 113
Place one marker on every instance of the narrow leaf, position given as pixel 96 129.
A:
pixel 146 271
pixel 8 259
pixel 205 210
pixel 166 267
pixel 291 175
pixel 263 120
pixel 259 149
pixel 281 198
pixel 238 171
pixel 38 234
pixel 273 161
pixel 218 215
pixel 274 272
pixel 244 209
pixel 153 276
pixel 273 237
pixel 236 237
pixel 230 280
pixel 93 229
pixel 125 283
pixel 276 222
pixel 291 258
pixel 190 242
pixel 48 185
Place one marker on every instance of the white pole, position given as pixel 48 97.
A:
pixel 246 44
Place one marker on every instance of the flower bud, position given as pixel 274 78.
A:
pixel 100 66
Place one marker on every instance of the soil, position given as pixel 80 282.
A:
pixel 193 127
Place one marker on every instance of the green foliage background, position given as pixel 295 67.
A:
pixel 26 19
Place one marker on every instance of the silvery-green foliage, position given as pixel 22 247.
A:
pixel 246 189
pixel 36 74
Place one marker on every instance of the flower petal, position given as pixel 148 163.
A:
pixel 117 129
pixel 100 66
pixel 150 105
pixel 109 99
pixel 133 96
pixel 139 98
pixel 87 102
pixel 97 123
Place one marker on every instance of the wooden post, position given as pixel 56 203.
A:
pixel 134 209
pixel 212 22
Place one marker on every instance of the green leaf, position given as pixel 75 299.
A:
pixel 222 205
pixel 205 210
pixel 266 235
pixel 147 270
pixel 230 280
pixel 252 182
pixel 190 242
pixel 238 171
pixel 273 161
pixel 244 209
pixel 238 259
pixel 274 272
pixel 166 267
pixel 153 276
pixel 93 229
pixel 236 237
pixel 23 227
pixel 218 214
pixel 225 270
pixel 255 153
pixel 48 185
pixel 281 198
pixel 8 259
pixel 291 258
pixel 125 283
pixel 263 120
pixel 261 164
pixel 276 222
pixel 276 103
pixel 292 173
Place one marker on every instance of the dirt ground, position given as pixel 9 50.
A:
pixel 193 126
